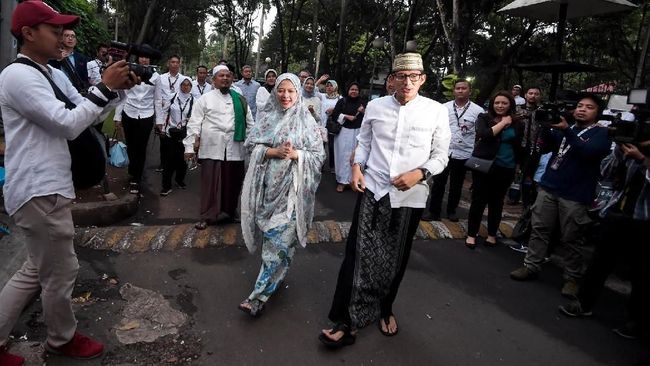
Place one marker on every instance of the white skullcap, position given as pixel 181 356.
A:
pixel 219 68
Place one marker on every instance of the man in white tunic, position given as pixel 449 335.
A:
pixel 404 139
pixel 218 128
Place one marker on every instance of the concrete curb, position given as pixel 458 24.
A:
pixel 136 239
pixel 104 213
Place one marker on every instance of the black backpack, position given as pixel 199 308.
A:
pixel 86 150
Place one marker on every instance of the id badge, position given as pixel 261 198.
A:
pixel 555 164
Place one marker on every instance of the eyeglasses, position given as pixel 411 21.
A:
pixel 413 77
pixel 69 36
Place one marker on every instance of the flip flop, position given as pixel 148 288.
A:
pixel 386 322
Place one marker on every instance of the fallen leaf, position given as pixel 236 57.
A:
pixel 129 325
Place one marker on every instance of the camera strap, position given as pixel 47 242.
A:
pixel 57 92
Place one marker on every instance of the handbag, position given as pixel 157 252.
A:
pixel 478 164
pixel 522 229
pixel 178 134
pixel 333 127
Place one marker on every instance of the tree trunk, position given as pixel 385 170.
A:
pixel 278 19
pixel 146 21
pixel 314 32
pixel 455 46
pixel 640 67
pixel 341 42
pixel 408 29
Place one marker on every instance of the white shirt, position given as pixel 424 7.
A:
pixel 213 121
pixel 139 102
pixel 463 130
pixel 37 127
pixel 326 103
pixel 94 71
pixel 199 90
pixel 520 100
pixel 180 111
pixel 395 139
pixel 165 90
pixel 260 101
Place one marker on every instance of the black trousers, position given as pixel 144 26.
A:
pixel 622 240
pixel 173 152
pixel 455 171
pixel 488 190
pixel 136 134
pixel 339 311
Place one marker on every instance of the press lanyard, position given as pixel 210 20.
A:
pixel 198 86
pixel 171 85
pixel 462 113
pixel 564 149
pixel 182 108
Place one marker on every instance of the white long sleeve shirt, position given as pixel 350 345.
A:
pixel 395 139
pixel 199 90
pixel 37 127
pixel 140 100
pixel 94 68
pixel 166 87
pixel 213 121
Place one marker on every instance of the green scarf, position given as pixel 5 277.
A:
pixel 240 117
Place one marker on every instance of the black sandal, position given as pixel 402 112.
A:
pixel 256 307
pixel 386 322
pixel 471 246
pixel 346 339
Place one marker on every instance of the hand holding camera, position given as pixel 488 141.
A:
pixel 119 76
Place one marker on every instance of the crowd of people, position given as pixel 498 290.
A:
pixel 267 143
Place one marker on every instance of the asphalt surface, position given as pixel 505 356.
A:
pixel 455 307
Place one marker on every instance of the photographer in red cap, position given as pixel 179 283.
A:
pixel 38 191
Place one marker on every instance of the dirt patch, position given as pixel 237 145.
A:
pixel 118 182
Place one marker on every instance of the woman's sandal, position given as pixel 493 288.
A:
pixel 471 246
pixel 490 244
pixel 255 307
pixel 386 322
pixel 346 339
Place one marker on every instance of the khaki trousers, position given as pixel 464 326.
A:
pixel 51 268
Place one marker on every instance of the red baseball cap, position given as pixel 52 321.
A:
pixel 33 12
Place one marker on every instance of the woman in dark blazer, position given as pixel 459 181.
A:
pixel 498 137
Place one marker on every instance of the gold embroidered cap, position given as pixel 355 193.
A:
pixel 408 61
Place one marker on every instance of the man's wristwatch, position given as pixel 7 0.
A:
pixel 425 174
pixel 360 166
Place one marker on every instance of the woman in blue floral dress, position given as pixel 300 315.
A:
pixel 279 190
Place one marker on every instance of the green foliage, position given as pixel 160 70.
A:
pixel 449 81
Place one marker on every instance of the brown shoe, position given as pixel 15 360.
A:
pixel 523 274
pixel 570 289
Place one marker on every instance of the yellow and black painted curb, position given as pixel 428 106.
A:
pixel 135 239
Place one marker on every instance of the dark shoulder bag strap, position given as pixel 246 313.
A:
pixel 57 92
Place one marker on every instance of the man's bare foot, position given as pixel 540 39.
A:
pixel 388 325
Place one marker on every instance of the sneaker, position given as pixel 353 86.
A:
pixel 519 248
pixel 165 192
pixel 8 359
pixel 570 289
pixel 159 170
pixel 629 330
pixel 134 188
pixel 80 347
pixel 181 185
pixel 574 309
pixel 452 217
pixel 523 274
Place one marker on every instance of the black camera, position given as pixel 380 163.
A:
pixel 123 51
pixel 625 132
pixel 550 113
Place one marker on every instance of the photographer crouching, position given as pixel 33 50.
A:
pixel 624 229
pixel 42 111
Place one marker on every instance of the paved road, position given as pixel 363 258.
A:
pixel 455 307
